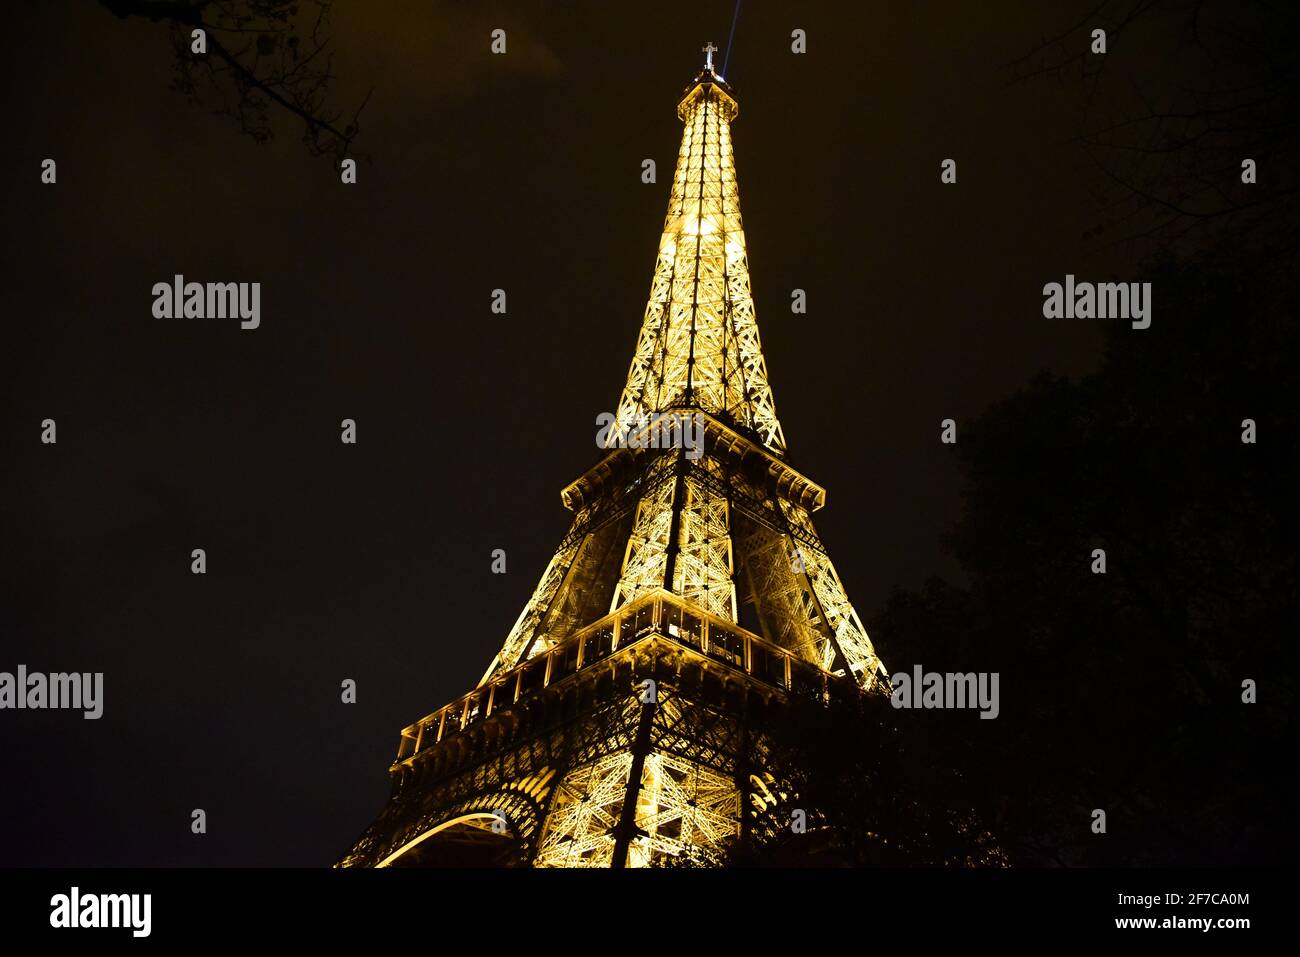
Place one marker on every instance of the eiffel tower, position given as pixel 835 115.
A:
pixel 621 722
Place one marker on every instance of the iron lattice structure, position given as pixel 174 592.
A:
pixel 621 723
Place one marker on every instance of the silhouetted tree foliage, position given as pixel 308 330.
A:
pixel 867 792
pixel 871 792
pixel 1123 691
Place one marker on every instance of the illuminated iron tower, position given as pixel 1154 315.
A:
pixel 621 722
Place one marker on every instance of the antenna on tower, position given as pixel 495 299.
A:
pixel 709 49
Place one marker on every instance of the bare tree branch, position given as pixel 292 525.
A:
pixel 284 64
pixel 1179 156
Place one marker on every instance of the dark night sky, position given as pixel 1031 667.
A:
pixel 521 172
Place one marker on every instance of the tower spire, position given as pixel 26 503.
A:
pixel 699 345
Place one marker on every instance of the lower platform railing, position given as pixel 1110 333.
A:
pixel 657 613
